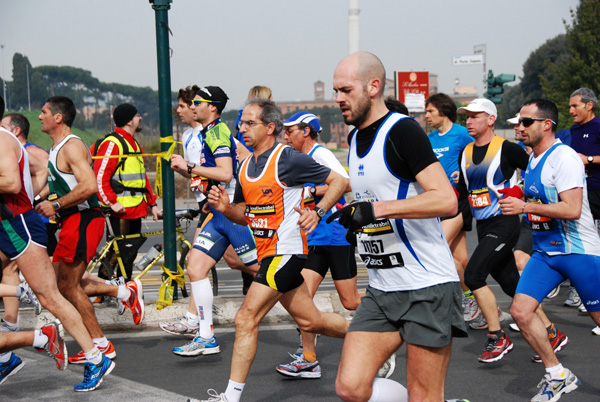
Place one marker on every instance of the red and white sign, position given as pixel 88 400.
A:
pixel 411 82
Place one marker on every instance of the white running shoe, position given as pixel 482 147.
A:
pixel 388 367
pixel 573 300
pixel 596 331
pixel 180 326
pixel 582 308
pixel 481 323
pixel 471 309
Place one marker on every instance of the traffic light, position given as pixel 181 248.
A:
pixel 496 86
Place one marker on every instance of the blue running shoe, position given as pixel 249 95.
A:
pixel 9 368
pixel 199 346
pixel 94 373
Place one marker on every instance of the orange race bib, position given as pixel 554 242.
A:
pixel 538 222
pixel 480 198
pixel 199 184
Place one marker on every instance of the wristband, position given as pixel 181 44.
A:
pixel 523 210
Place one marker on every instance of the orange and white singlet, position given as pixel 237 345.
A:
pixel 270 209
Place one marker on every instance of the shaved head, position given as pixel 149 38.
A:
pixel 359 83
pixel 365 67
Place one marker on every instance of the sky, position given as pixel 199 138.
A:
pixel 285 45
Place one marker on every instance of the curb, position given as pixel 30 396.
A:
pixel 224 310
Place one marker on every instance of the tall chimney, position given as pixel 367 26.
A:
pixel 353 26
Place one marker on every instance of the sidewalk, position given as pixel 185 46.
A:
pixel 224 310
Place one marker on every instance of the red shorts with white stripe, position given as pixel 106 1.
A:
pixel 79 236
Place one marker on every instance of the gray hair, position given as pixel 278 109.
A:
pixel 587 95
pixel 271 113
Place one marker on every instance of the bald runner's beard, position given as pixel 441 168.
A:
pixel 360 112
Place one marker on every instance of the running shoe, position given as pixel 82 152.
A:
pixel 495 349
pixel 553 293
pixel 514 327
pixel 180 326
pixel 388 367
pixel 471 309
pixel 93 374
pixel 582 308
pixel 558 343
pixel 10 367
pixel 56 345
pixel 457 400
pixel 214 397
pixel 300 368
pixel 481 323
pixel 551 390
pixel 596 331
pixel 108 351
pixel 573 300
pixel 136 300
pixel 199 346
pixel 29 297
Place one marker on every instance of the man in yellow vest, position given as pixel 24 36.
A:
pixel 122 182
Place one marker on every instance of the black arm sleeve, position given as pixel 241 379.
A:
pixel 513 157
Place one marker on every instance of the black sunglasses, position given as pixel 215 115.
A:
pixel 528 121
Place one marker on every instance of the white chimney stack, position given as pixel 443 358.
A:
pixel 353 26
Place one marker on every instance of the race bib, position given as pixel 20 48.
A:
pixel 539 223
pixel 199 184
pixel 480 198
pixel 378 246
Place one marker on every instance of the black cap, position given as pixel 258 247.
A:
pixel 214 94
pixel 123 114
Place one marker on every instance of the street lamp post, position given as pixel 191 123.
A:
pixel 3 76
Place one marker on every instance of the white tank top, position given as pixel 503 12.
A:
pixel 400 254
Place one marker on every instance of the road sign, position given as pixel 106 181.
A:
pixel 468 59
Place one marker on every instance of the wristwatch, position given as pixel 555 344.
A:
pixel 320 212
pixel 313 191
pixel 590 159
pixel 56 205
pixel 190 166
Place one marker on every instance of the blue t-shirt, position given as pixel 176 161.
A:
pixel 447 147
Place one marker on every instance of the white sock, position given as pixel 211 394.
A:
pixel 39 339
pixel 233 393
pixel 203 296
pixel 123 293
pixel 94 356
pixel 191 318
pixel 13 327
pixel 102 342
pixel 556 372
pixel 386 390
pixel 4 357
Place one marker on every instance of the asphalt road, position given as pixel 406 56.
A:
pixel 147 370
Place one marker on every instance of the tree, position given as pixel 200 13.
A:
pixel 553 51
pixel 581 67
pixel 21 69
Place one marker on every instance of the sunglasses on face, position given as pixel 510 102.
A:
pixel 197 102
pixel 528 121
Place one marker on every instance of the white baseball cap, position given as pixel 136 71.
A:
pixel 514 120
pixel 480 105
